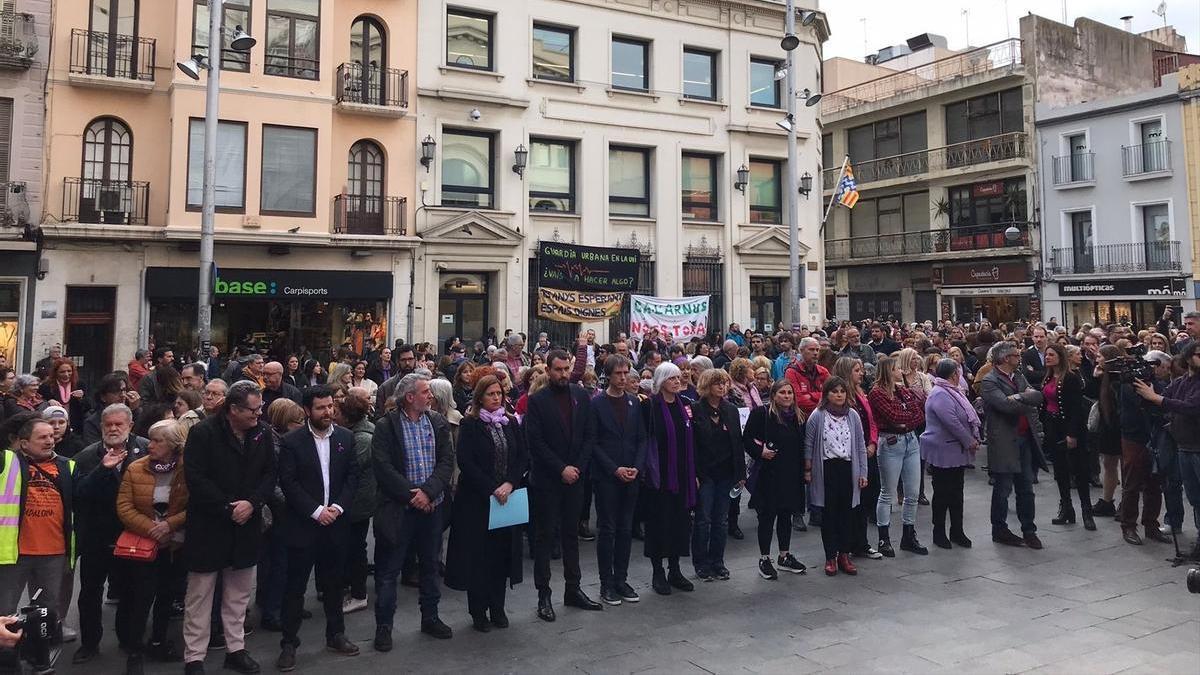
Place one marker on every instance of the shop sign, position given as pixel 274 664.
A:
pixel 578 306
pixel 1163 288
pixel 172 283
pixel 586 268
pixel 677 317
pixel 986 273
pixel 991 189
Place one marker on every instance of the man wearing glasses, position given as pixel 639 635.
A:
pixel 230 475
pixel 1012 407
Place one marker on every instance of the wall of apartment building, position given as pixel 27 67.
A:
pixel 1189 93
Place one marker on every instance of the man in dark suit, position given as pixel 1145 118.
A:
pixel 1033 358
pixel 406 362
pixel 275 388
pixel 556 428
pixel 617 437
pixel 317 473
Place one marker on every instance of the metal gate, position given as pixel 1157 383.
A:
pixel 561 333
pixel 704 275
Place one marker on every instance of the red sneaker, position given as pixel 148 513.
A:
pixel 843 561
pixel 831 567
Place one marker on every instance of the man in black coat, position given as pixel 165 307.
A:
pixel 413 459
pixel 880 342
pixel 318 474
pixel 617 436
pixel 406 362
pixel 97 522
pixel 556 429
pixel 230 472
pixel 275 388
pixel 1033 358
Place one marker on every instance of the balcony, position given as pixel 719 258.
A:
pixel 18 42
pixel 1149 160
pixel 1154 256
pixel 908 246
pixel 371 90
pixel 981 151
pixel 106 60
pixel 364 214
pixel 1003 57
pixel 1074 170
pixel 105 202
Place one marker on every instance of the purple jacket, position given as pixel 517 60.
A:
pixel 951 427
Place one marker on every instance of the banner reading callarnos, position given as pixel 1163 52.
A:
pixel 681 318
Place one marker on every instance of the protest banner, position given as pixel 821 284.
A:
pixel 578 306
pixel 681 318
pixel 586 268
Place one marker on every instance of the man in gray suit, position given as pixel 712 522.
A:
pixel 1011 407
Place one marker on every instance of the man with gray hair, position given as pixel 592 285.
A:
pixel 729 350
pixel 274 387
pixel 1011 408
pixel 413 459
pixel 101 466
pixel 515 356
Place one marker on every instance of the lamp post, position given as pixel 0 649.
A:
pixel 796 288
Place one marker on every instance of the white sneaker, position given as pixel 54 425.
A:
pixel 353 605
pixel 69 634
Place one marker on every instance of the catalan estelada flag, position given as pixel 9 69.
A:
pixel 847 192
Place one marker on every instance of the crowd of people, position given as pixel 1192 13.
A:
pixel 197 490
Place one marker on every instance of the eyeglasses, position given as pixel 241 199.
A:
pixel 256 411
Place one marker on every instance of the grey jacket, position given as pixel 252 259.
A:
pixel 814 445
pixel 1002 417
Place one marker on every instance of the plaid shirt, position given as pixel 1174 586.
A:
pixel 420 450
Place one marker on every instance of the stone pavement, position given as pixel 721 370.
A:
pixel 1087 603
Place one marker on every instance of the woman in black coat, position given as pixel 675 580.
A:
pixel 1064 423
pixel 63 385
pixel 492 460
pixel 774 439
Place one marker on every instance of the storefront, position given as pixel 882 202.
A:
pixel 281 311
pixel 1139 302
pixel 999 291
pixel 18 271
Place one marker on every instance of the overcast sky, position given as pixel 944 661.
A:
pixel 890 22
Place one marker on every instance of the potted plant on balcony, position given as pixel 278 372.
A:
pixel 941 211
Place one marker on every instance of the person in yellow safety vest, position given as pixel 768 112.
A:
pixel 37 535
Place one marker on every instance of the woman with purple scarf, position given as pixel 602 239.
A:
pixel 774 439
pixel 948 445
pixel 670 487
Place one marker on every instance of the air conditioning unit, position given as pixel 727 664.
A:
pixel 15 211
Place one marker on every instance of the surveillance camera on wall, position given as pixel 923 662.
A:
pixel 476 115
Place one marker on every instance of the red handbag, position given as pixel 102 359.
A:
pixel 132 546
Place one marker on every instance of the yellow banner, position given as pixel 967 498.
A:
pixel 578 306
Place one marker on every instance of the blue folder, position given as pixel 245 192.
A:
pixel 514 512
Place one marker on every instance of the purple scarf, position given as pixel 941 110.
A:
pixel 672 476
pixel 498 419
pixel 961 400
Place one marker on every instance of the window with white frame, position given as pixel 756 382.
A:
pixel 1156 233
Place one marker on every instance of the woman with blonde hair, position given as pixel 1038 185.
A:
pixel 152 502
pixel 720 466
pixel 774 439
pixel 340 373
pixel 912 368
pixel 743 392
pixel 899 412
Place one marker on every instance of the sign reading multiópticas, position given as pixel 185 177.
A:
pixel 164 283
pixel 587 268
pixel 1167 288
pixel 677 317
pixel 578 306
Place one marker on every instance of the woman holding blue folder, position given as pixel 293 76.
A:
pixel 492 459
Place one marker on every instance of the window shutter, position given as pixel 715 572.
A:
pixel 6 114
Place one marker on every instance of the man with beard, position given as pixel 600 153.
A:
pixel 406 362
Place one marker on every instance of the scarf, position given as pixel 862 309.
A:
pixel 788 414
pixel 496 419
pixel 838 410
pixel 961 401
pixel 164 467
pixel 672 474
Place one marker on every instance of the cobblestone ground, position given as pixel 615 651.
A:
pixel 1087 603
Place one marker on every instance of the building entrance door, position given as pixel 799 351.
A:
pixel 89 331
pixel 463 307
pixel 766 304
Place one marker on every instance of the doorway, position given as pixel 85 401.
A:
pixel 766 304
pixel 88 338
pixel 463 307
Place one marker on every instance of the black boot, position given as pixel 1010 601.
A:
pixel 885 543
pixel 939 537
pixel 908 541
pixel 1089 523
pixel 1066 514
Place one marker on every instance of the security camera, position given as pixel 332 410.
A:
pixel 475 114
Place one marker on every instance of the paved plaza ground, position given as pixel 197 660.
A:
pixel 1087 603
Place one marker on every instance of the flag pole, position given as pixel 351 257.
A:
pixel 837 184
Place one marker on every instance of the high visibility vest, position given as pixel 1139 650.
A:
pixel 11 484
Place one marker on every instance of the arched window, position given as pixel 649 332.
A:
pixel 112 38
pixel 365 81
pixel 106 194
pixel 365 183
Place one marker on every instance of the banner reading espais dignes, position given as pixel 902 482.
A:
pixel 681 318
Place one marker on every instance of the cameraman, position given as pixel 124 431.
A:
pixel 1181 402
pixel 1139 423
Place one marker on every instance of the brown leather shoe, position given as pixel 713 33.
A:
pixel 1032 541
pixel 1007 538
pixel 1130 535
pixel 1155 534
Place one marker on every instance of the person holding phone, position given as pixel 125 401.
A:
pixel 774 439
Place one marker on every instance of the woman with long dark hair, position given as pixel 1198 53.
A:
pixel 1064 425
pixel 492 460
pixel 774 439
pixel 852 371
pixel 670 488
pixel 836 470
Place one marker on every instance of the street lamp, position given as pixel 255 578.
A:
pixel 806 184
pixel 521 159
pixel 240 42
pixel 743 178
pixel 1011 233
pixel 428 146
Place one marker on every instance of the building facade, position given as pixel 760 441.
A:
pixel 1117 241
pixel 315 169
pixel 24 40
pixel 608 124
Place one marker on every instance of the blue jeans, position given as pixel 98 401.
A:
pixel 1167 468
pixel 711 526
pixel 1005 483
pixel 419 532
pixel 1189 474
pixel 901 459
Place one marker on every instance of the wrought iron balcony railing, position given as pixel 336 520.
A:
pixel 1074 168
pixel 107 55
pixel 955 240
pixel 105 202
pixel 367 214
pixel 980 151
pixel 371 85
pixel 18 41
pixel 1145 158
pixel 1151 256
